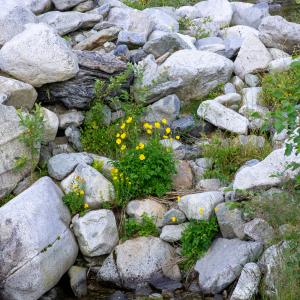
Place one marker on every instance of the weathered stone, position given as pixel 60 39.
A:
pixel 61 165
pixel 71 118
pixel 229 88
pixel 183 180
pixel 50 125
pixel 78 280
pixel 229 99
pixel 259 230
pixel 262 174
pixel 277 53
pixel 31 258
pixel 18 94
pixel 223 263
pixel 276 32
pixel 247 285
pixel 223 117
pixel 154 209
pixel 238 83
pixel 172 233
pixel 97 188
pixel 187 73
pixel 281 64
pixel 200 206
pixel 173 217
pixel 252 80
pixel 66 22
pixel 35 6
pixel 66 4
pixel 239 31
pixel 52 60
pixel 96 232
pixel 73 136
pixel 252 57
pixel 212 184
pixel 85 6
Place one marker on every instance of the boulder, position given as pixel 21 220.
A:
pixel 247 285
pixel 19 94
pixel 97 188
pixel 78 280
pixel 223 117
pixel 13 20
pixel 275 31
pixel 207 185
pixel 96 232
pixel 166 108
pixel 11 148
pixel 200 206
pixel 187 73
pixel 61 165
pixel 230 221
pixel 71 118
pixel 262 174
pixel 238 31
pixel 174 217
pixel 136 209
pixel 183 179
pixel 72 134
pixel 224 262
pixel 137 260
pixel 253 57
pixel 66 4
pixel 66 22
pixel 259 230
pixel 238 9
pixel 281 64
pixel 50 125
pixel 52 60
pixel 37 7
pixel 172 233
pixel 277 53
pixel 32 260
pixel 229 99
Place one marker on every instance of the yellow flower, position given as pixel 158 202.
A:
pixel 123 136
pixel 168 130
pixel 118 141
pixel 142 157
pixel 178 198
pixel 81 192
pixel 157 125
pixel 141 146
pixel 216 209
pixel 149 131
pixel 86 205
pixel 115 178
pixel 123 125
pixel 164 121
pixel 165 137
pixel 146 125
pixel 123 147
pixel 118 135
pixel 114 171
pixel 177 137
pixel 129 120
pixel 137 148
pixel 201 211
pixel 173 219
pixel 171 139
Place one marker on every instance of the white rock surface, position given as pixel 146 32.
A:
pixel 66 4
pixel 52 61
pixel 36 6
pixel 172 233
pixel 50 125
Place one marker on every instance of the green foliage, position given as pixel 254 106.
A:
pixel 198 29
pixel 6 199
pixel 144 227
pixel 144 170
pixel 196 239
pixel 142 4
pixel 229 155
pixel 98 165
pixel 21 162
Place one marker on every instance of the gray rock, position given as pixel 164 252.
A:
pixel 183 73
pixel 106 163
pixel 281 64
pixel 122 50
pixel 229 88
pixel 79 92
pixel 35 6
pixel 232 46
pixel 200 206
pixel 277 53
pixel 30 257
pixel 131 38
pixel 238 9
pixel 66 22
pixel 66 4
pixel 97 188
pixel 49 49
pixel 254 140
pixel 170 42
pixel 78 281
pixel 73 136
pixel 71 118
pixel 18 93
pixel 183 179
pixel 247 285
pixel 276 32
pixel 13 20
pixel 252 80
pixel 137 55
pixel 173 217
pixel 253 57
pixel 223 117
pixel 85 6
pixel 109 271
pixel 172 233
pixel 238 83
pixel 96 232
pixel 259 230
pixel 229 99
pixel 208 185
pixel 136 209
pixel 251 15
pixel 11 148
pixel 61 165
pixel 238 31
pixel 230 221
pixel 183 123
pixel 50 125
pixel 224 262
pixel 212 44
pixel 262 174
pixel 189 12
pixel 22 186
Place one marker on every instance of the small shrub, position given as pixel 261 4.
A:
pixel 142 4
pixel 75 198
pixel 144 227
pixel 198 30
pixel 196 239
pixel 229 156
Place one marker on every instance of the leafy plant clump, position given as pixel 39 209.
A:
pixel 229 156
pixel 196 239
pixel 144 227
pixel 142 4
pixel 74 199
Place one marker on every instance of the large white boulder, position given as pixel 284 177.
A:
pixel 38 56
pixel 238 31
pixel 96 232
pixel 36 6
pixel 223 117
pixel 272 171
pixel 187 73
pixel 37 246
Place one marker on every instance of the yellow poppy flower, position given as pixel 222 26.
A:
pixel 86 205
pixel 165 137
pixel 164 121
pixel 123 147
pixel 118 141
pixel 81 192
pixel 146 125
pixel 149 131
pixel 142 157
pixel 178 198
pixel 201 211
pixel 141 146
pixel 123 126
pixel 157 125
pixel 118 135
pixel 177 137
pixel 114 171
pixel 173 219
pixel 129 120
pixel 123 136
pixel 168 130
